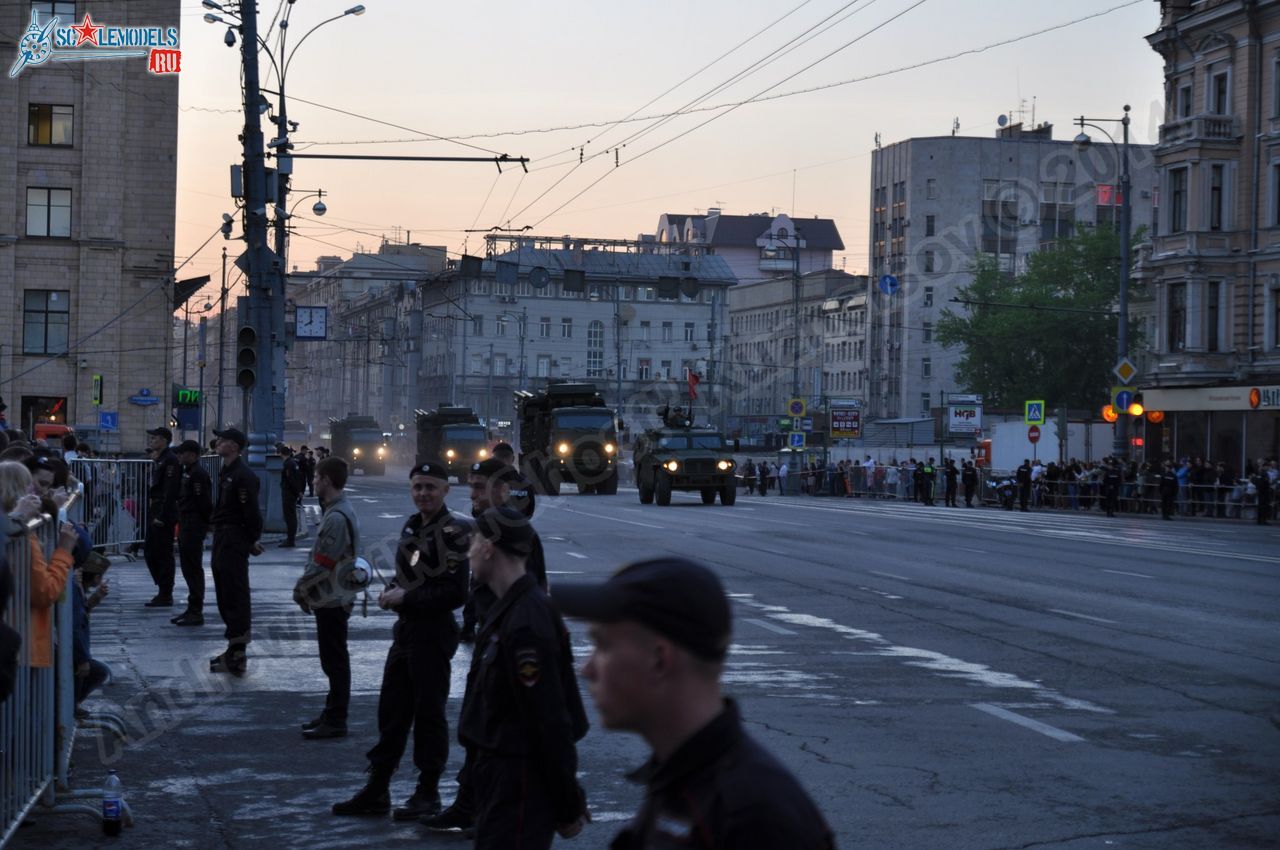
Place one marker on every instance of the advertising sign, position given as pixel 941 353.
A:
pixel 846 423
pixel 964 418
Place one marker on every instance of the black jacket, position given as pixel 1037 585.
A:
pixel 723 790
pixel 522 698
pixel 195 495
pixel 237 506
pixel 292 478
pixel 432 567
pixel 162 495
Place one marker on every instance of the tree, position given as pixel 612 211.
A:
pixel 1021 339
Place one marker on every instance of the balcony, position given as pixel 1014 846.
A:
pixel 1200 128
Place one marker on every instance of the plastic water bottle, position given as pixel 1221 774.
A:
pixel 112 804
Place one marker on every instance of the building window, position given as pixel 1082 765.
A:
pixel 927 332
pixel 664 372
pixel 499 366
pixel 1185 99
pixel 49 125
pixel 931 190
pixel 928 262
pixel 925 409
pixel 49 212
pixel 1217 199
pixel 500 326
pixel 524 289
pixel 668 332
pixel 595 364
pixel 644 331
pixel 1220 93
pixel 1211 313
pixel 477 364
pixel 643 368
pixel 566 328
pixel 544 327
pixel 46 319
pixel 648 293
pixel 544 365
pixel 595 339
pixel 64 9
pixel 688 331
pixel 926 368
pixel 1178 200
pixel 1177 317
pixel 930 225
pixel 477 325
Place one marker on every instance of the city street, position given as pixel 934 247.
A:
pixel 937 678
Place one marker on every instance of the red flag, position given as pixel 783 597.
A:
pixel 694 380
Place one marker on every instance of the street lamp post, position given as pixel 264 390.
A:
pixel 1120 447
pixel 522 319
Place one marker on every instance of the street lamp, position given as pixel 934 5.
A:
pixel 1120 447
pixel 795 305
pixel 523 319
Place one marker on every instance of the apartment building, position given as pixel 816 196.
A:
pixel 756 247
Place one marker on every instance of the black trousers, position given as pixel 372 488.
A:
pixel 1024 496
pixel 191 533
pixel 968 495
pixel 289 506
pixel 514 808
pixel 335 661
pixel 1167 504
pixel 951 495
pixel 479 602
pixel 231 582
pixel 1111 501
pixel 157 548
pixel 415 690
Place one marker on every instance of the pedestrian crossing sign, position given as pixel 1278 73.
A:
pixel 1034 412
pixel 795 440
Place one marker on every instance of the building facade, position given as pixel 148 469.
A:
pixel 756 247
pixel 88 172
pixel 1213 269
pixel 937 203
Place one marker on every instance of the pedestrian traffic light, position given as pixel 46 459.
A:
pixel 247 357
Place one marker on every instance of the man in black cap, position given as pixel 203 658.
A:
pixel 195 510
pixel 162 515
pixel 522 712
pixel 430 583
pixel 661 631
pixel 291 487
pixel 237 525
pixel 520 495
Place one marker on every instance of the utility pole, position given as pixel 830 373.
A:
pixel 488 402
pixel 222 341
pixel 617 341
pixel 200 361
pixel 795 306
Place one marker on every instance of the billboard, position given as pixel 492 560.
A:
pixel 846 423
pixel 964 418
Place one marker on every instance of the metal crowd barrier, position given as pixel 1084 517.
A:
pixel 37 721
pixel 115 502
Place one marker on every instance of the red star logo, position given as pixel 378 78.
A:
pixel 87 31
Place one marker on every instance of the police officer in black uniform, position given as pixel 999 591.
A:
pixel 162 515
pixel 1168 490
pixel 292 484
pixel 521 491
pixel 1023 477
pixel 950 474
pixel 237 525
pixel 969 478
pixel 195 510
pixel 522 713
pixel 1111 482
pixel 1262 484
pixel 430 584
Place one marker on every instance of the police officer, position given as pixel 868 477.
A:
pixel 308 463
pixel 969 478
pixel 522 712
pixel 292 484
pixel 162 515
pixel 237 525
pixel 1168 490
pixel 1111 482
pixel 520 494
pixel 1261 481
pixel 950 474
pixel 661 630
pixel 1023 477
pixel 430 583
pixel 195 510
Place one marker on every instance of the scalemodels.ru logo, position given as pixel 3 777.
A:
pixel 45 42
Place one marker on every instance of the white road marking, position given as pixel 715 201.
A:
pixel 1027 723
pixel 576 555
pixel 888 575
pixel 1123 573
pixel 975 551
pixel 1081 616
pixel 564 572
pixel 614 519
pixel 764 624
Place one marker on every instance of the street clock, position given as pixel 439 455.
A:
pixel 311 323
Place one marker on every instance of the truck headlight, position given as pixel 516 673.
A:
pixel 724 465
pixel 382 451
pixel 672 465
pixel 484 453
pixel 356 452
pixel 450 454
pixel 609 448
pixel 563 448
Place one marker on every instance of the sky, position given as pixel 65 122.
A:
pixel 509 75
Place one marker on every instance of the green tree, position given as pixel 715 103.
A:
pixel 1015 349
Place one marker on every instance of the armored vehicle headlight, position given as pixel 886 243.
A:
pixel 672 465
pixel 563 448
pixel 484 453
pixel 356 452
pixel 382 451
pixel 450 454
pixel 608 448
pixel 724 465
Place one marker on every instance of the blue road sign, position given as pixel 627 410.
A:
pixel 108 420
pixel 888 284
pixel 1124 398
pixel 795 440
pixel 1034 412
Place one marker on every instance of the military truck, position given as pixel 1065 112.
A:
pixel 361 442
pixel 568 434
pixel 680 456
pixel 452 436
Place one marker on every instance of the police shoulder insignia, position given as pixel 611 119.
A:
pixel 195 485
pixel 527 669
pixel 244 495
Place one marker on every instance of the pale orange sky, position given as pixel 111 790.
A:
pixel 503 67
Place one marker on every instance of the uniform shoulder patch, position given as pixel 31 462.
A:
pixel 244 495
pixel 527 669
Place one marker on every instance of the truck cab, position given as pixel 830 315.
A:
pixel 568 434
pixel 362 442
pixel 453 436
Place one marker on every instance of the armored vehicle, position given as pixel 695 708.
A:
pixel 568 433
pixel 452 436
pixel 361 441
pixel 679 456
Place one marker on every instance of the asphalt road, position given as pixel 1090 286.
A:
pixel 937 678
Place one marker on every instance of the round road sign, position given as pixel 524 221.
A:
pixel 1033 434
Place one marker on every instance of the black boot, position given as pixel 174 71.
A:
pixel 373 799
pixel 425 801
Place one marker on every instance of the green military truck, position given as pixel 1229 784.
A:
pixel 679 456
pixel 361 442
pixel 453 436
pixel 568 434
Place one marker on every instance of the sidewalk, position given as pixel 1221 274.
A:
pixel 218 761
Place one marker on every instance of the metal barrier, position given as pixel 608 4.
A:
pixel 37 722
pixel 115 501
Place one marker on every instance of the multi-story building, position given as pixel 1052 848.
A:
pixel 1213 270
pixel 763 337
pixel 937 203
pixel 617 313
pixel 756 247
pixel 87 186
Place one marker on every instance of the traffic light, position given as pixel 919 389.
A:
pixel 1109 414
pixel 247 357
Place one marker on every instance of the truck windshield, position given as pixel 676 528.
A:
pixel 585 420
pixel 680 442
pixel 707 441
pixel 471 433
pixel 366 435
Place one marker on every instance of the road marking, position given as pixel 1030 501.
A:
pixel 1123 573
pixel 1027 723
pixel 614 519
pixel 888 575
pixel 975 551
pixel 1081 616
pixel 576 555
pixel 564 572
pixel 764 624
